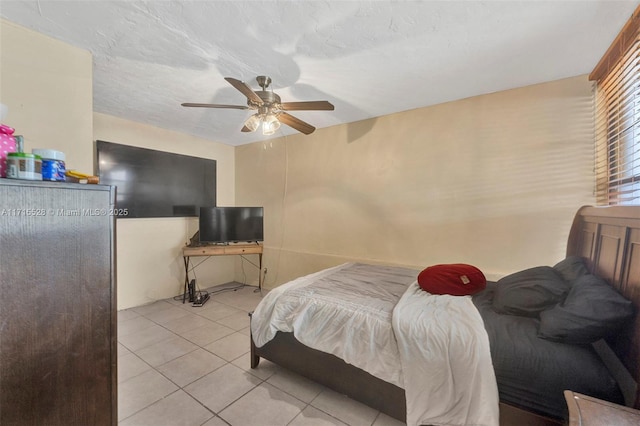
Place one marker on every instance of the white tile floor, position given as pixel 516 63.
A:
pixel 184 365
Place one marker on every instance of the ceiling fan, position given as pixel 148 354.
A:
pixel 271 112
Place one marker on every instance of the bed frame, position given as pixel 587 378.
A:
pixel 607 238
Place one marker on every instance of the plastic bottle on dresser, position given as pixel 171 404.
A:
pixel 53 167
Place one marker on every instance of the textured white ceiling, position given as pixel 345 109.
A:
pixel 368 58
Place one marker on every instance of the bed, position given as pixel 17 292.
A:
pixel 605 240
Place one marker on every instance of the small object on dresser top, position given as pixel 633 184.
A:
pixel 588 411
pixel 7 145
pixel 21 165
pixel 78 177
pixel 53 167
pixel 19 143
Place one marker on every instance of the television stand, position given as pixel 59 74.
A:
pixel 220 250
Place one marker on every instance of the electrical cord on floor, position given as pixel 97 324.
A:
pixel 184 296
pixel 205 294
pixel 238 287
pixel 264 277
pixel 212 290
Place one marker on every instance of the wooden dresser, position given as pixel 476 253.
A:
pixel 588 411
pixel 58 304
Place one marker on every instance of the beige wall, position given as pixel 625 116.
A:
pixel 47 86
pixel 492 180
pixel 150 263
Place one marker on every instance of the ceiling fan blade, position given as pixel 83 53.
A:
pixel 296 123
pixel 310 105
pixel 245 129
pixel 245 89
pixel 189 104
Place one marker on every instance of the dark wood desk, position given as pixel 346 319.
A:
pixel 220 250
pixel 588 411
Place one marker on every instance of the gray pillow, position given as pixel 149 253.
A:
pixel 591 311
pixel 529 292
pixel 571 268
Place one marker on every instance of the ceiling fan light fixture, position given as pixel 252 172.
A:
pixel 270 124
pixel 269 110
pixel 252 122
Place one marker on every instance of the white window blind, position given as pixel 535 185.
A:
pixel 617 125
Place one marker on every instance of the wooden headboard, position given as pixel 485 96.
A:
pixel 608 239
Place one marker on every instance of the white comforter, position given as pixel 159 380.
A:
pixel 336 311
pixel 446 360
pixel 435 347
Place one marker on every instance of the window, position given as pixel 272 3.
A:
pixel 617 118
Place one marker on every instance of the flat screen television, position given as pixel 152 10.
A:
pixel 231 224
pixel 154 183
